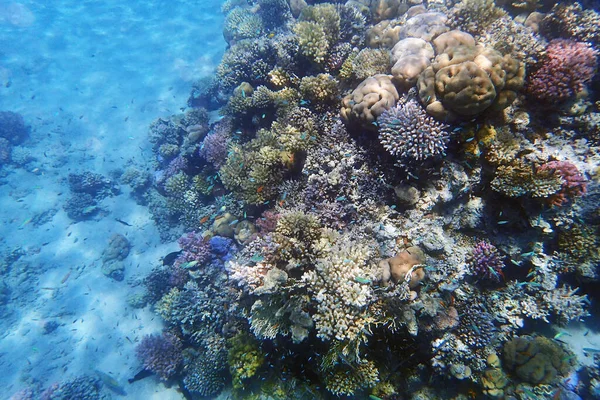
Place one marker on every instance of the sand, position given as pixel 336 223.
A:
pixel 88 77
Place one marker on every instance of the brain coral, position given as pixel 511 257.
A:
pixel 370 99
pixel 465 80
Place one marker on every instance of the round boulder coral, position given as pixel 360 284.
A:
pixel 369 100
pixel 465 80
pixel 410 57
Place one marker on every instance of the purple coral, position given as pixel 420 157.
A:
pixel 215 146
pixel 574 184
pixel 175 166
pixel 486 261
pixel 160 354
pixel 564 71
pixel 195 249
pixel 407 132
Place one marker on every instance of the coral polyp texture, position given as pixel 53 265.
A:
pixel 380 201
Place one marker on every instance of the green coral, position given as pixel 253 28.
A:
pixel 370 62
pixel 327 17
pixel 312 40
pixel 296 234
pixel 320 89
pixel 345 380
pixel 244 358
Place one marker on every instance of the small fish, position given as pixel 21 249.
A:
pixel 502 222
pixel 590 350
pixel 260 189
pixel 264 115
pixel 364 281
pixel 373 397
pixel 122 222
pixel 559 334
pixel 470 139
pixel 140 375
pixel 243 93
pixel 89 209
pixel 341 198
pixel 204 219
pixel 170 258
pixel 111 383
pixel 190 264
pixel 64 279
pixel 27 221
pixel 235 221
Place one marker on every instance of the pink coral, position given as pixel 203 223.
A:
pixel 574 183
pixel 195 249
pixel 564 71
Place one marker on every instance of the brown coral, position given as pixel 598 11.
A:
pixel 397 267
pixel 369 100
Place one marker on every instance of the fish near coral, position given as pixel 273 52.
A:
pixel 397 267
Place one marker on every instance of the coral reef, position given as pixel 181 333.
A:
pixel 13 127
pixel 369 100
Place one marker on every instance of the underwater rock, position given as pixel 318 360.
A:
pixel 117 249
pixel 114 269
pixel 406 195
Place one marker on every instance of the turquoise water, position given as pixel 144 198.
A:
pixel 299 200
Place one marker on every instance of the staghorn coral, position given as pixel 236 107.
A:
pixel 340 286
pixel 345 381
pixel 160 354
pixel 368 62
pixel 369 100
pixel 520 179
pixel 563 72
pixel 253 171
pixel 464 80
pixel 320 89
pixel 312 40
pixel 409 134
pixel 205 371
pixel 510 37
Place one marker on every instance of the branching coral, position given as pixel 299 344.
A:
pixel 474 16
pixel 340 285
pixel 409 134
pixel 486 261
pixel 573 182
pixel 160 354
pixel 563 71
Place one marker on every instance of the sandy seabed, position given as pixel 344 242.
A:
pixel 88 77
